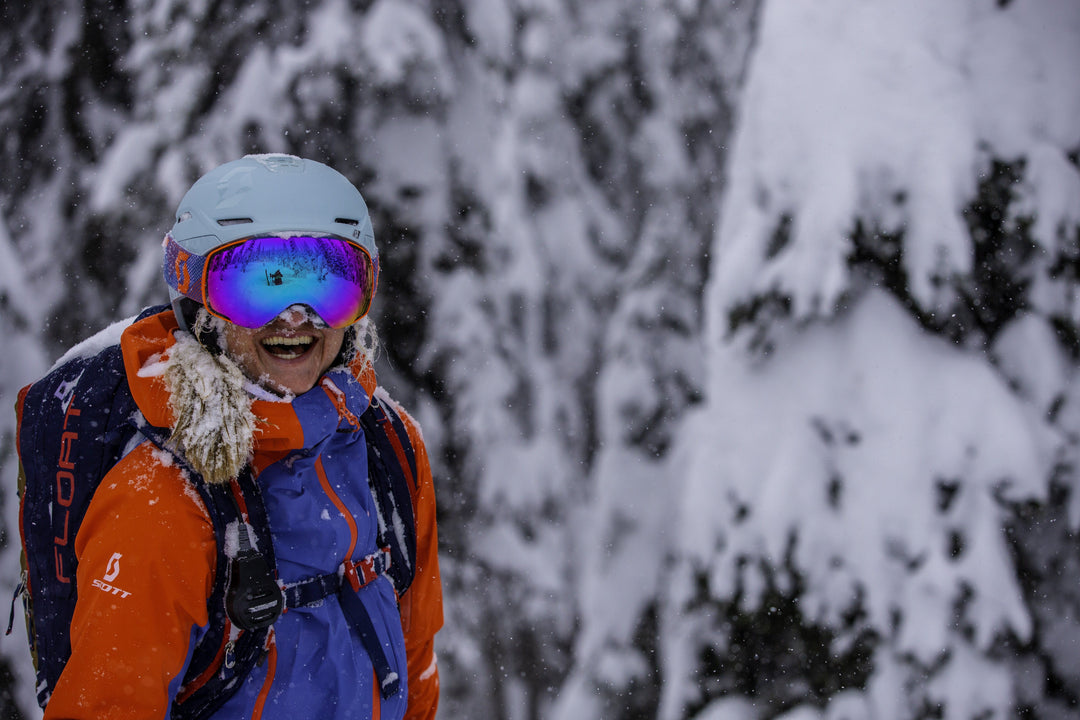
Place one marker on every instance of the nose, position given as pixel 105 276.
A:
pixel 297 315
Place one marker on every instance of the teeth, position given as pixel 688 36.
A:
pixel 279 340
pixel 287 348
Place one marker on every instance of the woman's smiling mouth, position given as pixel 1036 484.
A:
pixel 288 347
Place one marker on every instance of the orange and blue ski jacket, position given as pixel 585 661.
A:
pixel 147 563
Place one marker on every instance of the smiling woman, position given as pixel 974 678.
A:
pixel 257 386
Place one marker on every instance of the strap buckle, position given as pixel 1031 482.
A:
pixel 364 572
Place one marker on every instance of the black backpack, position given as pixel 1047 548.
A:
pixel 79 421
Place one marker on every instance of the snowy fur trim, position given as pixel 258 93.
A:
pixel 363 344
pixel 214 425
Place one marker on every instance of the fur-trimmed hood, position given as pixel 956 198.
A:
pixel 219 419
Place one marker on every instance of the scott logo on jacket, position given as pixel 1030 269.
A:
pixel 111 571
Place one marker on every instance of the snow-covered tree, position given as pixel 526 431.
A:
pixel 891 354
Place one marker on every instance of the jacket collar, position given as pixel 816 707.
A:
pixel 339 398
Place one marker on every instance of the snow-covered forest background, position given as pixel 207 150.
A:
pixel 745 334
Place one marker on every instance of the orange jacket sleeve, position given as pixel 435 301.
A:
pixel 421 604
pixel 146 565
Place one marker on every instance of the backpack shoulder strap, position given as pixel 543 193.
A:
pixel 226 653
pixel 392 475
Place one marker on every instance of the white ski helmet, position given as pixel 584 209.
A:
pixel 263 195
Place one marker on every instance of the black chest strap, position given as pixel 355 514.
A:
pixel 346 584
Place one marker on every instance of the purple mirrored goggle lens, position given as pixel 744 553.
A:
pixel 253 281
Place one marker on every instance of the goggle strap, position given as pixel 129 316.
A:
pixel 184 270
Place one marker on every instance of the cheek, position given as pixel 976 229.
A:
pixel 332 343
pixel 239 346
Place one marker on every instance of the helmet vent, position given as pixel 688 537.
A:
pixel 234 221
pixel 346 221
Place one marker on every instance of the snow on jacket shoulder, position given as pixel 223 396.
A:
pixel 147 558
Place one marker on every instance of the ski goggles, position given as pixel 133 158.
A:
pixel 251 281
